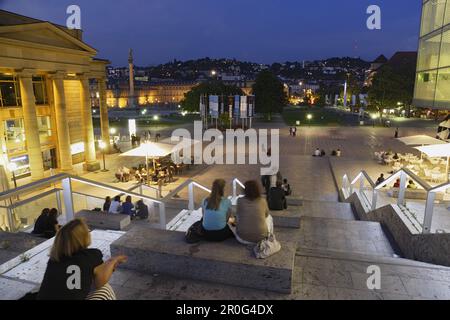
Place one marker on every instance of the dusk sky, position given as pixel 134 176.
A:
pixel 262 31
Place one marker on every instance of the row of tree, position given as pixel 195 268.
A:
pixel 268 90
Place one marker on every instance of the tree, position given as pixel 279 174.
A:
pixel 269 94
pixel 191 101
pixel 391 86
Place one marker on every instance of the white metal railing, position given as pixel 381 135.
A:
pixel 404 175
pixel 235 183
pixel 190 184
pixel 67 194
pixel 142 186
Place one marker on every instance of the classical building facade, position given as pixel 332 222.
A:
pixel 432 88
pixel 46 72
pixel 170 92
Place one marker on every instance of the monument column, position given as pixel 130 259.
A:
pixel 104 120
pixel 131 97
pixel 62 126
pixel 91 163
pixel 31 126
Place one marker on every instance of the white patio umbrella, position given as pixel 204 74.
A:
pixel 150 150
pixel 445 124
pixel 444 134
pixel 437 151
pixel 420 140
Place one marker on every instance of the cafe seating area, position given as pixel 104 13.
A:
pixel 156 172
pixel 430 169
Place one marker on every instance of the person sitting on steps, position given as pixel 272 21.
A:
pixel 216 213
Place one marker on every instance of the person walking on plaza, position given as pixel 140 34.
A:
pixel 294 131
pixel 396 133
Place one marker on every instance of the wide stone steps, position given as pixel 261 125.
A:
pixel 364 258
pixel 359 237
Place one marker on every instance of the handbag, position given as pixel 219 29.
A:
pixel 195 233
pixel 267 247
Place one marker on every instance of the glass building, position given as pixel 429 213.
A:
pixel 432 88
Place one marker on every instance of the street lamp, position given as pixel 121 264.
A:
pixel 309 117
pixel 374 117
pixel 102 146
pixel 12 167
pixel 113 131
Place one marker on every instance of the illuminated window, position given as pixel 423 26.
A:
pixel 15 135
pixel 44 127
pixel 432 16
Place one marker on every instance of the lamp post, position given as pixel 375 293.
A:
pixel 102 146
pixel 309 117
pixel 374 117
pixel 12 167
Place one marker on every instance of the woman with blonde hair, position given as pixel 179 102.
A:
pixel 216 213
pixel 75 272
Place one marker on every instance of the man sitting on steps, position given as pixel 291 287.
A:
pixel 277 198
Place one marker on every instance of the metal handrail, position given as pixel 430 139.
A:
pixel 143 185
pixel 403 174
pixel 235 183
pixel 65 179
pixel 190 184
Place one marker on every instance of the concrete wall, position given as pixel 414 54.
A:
pixel 431 248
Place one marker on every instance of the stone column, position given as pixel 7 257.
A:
pixel 104 120
pixel 91 163
pixel 62 125
pixel 31 126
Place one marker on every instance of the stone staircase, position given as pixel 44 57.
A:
pixel 334 252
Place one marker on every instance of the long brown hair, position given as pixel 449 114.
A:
pixel 252 190
pixel 217 192
pixel 70 239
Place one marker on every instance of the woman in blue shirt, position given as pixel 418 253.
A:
pixel 216 213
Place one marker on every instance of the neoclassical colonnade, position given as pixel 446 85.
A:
pixel 57 99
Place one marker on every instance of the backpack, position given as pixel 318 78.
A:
pixel 195 233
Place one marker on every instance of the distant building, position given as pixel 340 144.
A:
pixel 432 88
pixel 374 66
pixel 161 92
pixel 46 76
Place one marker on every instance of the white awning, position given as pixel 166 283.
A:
pixel 436 151
pixel 445 124
pixel 150 150
pixel 421 140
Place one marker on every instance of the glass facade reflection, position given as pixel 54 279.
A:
pixel 432 88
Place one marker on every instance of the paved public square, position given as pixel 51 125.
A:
pixel 334 249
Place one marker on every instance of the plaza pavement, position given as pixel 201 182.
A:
pixel 336 268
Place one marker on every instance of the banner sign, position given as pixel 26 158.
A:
pixel 251 106
pixel 244 107
pixel 230 107
pixel 214 106
pixel 237 101
pixel 202 106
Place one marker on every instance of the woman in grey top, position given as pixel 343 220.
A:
pixel 253 222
